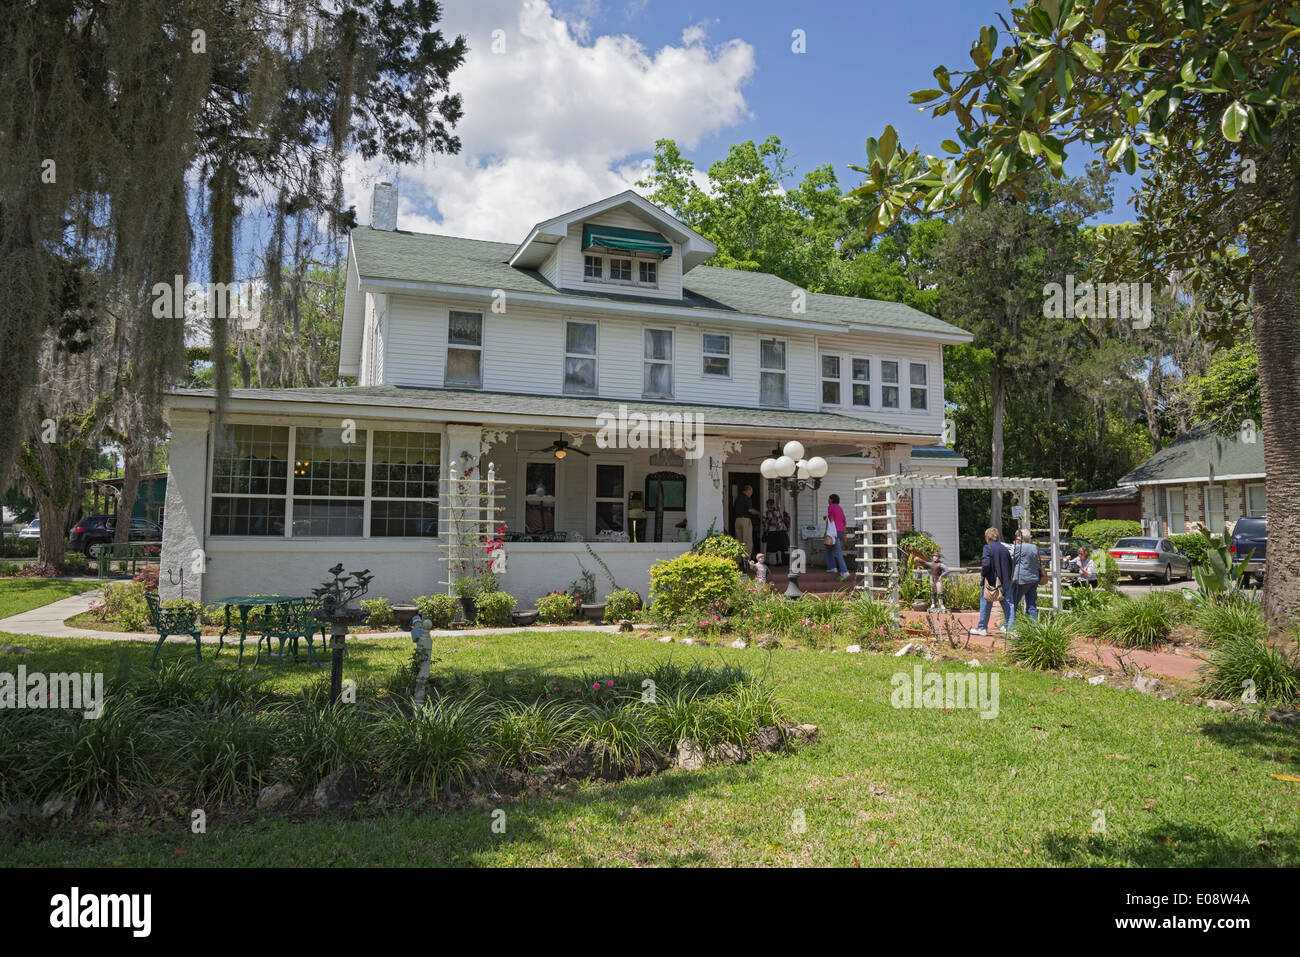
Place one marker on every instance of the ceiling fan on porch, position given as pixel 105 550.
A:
pixel 561 448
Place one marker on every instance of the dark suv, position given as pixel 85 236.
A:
pixel 95 530
pixel 1250 538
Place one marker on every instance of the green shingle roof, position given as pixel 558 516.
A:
pixel 469 402
pixel 1192 454
pixel 424 257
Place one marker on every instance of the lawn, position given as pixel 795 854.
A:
pixel 23 594
pixel 1171 784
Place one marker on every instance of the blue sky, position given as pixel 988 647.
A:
pixel 565 99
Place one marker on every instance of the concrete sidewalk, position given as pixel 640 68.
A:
pixel 47 621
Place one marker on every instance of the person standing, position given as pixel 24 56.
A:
pixel 836 526
pixel 1026 571
pixel 743 513
pixel 995 580
pixel 776 531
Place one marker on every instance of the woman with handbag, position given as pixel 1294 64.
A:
pixel 836 525
pixel 1026 576
pixel 995 580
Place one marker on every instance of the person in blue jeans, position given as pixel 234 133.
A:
pixel 1024 577
pixel 835 553
pixel 995 572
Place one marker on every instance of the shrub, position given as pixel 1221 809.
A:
pixel 557 608
pixel 691 583
pixel 19 548
pixel 76 563
pixel 1234 621
pixel 321 739
pixel 961 592
pixel 1042 643
pixel 438 611
pixel 226 754
pixel 1239 664
pixel 1129 623
pixel 1107 572
pixel 124 604
pixel 918 541
pixel 722 546
pixel 1105 532
pixel 621 604
pixel 471 586
pixel 494 608
pixel 619 734
pixel 1194 546
pixel 104 757
pixel 9 568
pixel 147 576
pixel 911 587
pixel 379 613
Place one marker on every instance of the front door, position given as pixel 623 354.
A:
pixel 736 481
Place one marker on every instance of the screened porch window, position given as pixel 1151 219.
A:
pixel 404 484
pixel 250 479
pixel 539 497
pixel 329 483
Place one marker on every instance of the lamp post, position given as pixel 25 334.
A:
pixel 791 471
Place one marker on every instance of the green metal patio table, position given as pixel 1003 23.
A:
pixel 245 605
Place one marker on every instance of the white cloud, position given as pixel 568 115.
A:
pixel 555 121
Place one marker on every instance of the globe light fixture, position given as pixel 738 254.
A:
pixel 790 470
pixel 793 449
pixel 785 467
pixel 817 467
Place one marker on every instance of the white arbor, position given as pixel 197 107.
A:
pixel 878 516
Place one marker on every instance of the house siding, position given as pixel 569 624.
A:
pixel 570 259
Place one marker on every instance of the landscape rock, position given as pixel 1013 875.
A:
pixel 907 649
pixel 738 643
pixel 728 753
pixel 14 650
pixel 973 663
pixel 688 641
pixel 274 796
pixel 802 732
pixel 690 756
pixel 338 791
pixel 1215 704
pixel 854 649
pixel 1073 674
pixel 769 642
pixel 770 738
pixel 665 638
pixel 1097 680
pixel 58 807
pixel 625 624
pixel 1289 718
pixel 1148 685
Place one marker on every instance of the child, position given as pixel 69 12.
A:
pixel 760 568
pixel 938 571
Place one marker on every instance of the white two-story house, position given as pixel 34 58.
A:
pixel 528 358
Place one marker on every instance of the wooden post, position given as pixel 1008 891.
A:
pixel 1024 511
pixel 891 540
pixel 1054 517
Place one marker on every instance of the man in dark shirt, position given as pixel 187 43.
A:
pixel 744 513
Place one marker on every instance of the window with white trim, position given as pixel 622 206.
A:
pixel 464 349
pixel 329 483
pixel 580 358
pixel 1214 517
pixel 861 369
pixel 1256 499
pixel 593 267
pixel 648 271
pixel 1175 505
pixel 830 380
pixel 919 381
pixel 716 348
pixel 250 479
pixel 404 484
pixel 609 498
pixel 657 381
pixel 773 386
pixel 888 384
pixel 620 270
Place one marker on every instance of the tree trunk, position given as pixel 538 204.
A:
pixel 1277 330
pixel 126 498
pixel 999 386
pixel 54 529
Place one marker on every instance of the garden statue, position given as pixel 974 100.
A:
pixel 423 652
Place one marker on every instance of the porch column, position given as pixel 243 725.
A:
pixel 704 503
pixel 185 519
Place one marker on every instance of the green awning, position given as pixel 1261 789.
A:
pixel 625 240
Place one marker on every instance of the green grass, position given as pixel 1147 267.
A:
pixel 1178 785
pixel 23 594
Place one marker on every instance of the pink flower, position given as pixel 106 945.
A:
pixel 596 686
pixel 609 683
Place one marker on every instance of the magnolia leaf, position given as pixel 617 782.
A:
pixel 1234 121
pixel 925 96
pixel 888 144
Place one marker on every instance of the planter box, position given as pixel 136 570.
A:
pixel 523 617
pixel 594 611
pixel 405 615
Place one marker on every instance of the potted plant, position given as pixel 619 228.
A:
pixel 466 589
pixel 583 590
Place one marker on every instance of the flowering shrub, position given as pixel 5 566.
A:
pixel 685 586
pixel 123 604
pixel 558 607
pixel 438 611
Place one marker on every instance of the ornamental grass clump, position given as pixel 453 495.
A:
pixel 1042 643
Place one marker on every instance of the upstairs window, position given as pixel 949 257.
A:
pixel 593 267
pixel 862 383
pixel 580 358
pixel 830 380
pixel 620 270
pixel 465 349
pixel 772 384
pixel 920 386
pixel 657 382
pixel 716 349
pixel 888 384
pixel 649 272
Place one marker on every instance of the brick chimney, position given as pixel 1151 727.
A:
pixel 383 207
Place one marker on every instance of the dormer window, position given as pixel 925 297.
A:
pixel 592 267
pixel 620 270
pixel 649 272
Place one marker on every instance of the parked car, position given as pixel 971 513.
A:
pixel 1250 540
pixel 94 530
pixel 1153 558
pixel 31 531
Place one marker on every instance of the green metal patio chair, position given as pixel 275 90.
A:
pixel 173 621
pixel 290 623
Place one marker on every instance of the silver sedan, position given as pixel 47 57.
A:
pixel 1154 558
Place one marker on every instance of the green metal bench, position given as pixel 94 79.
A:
pixel 173 621
pixel 134 554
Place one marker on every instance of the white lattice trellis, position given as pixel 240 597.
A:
pixel 467 521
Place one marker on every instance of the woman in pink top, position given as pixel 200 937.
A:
pixel 835 553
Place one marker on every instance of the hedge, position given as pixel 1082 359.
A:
pixel 1105 532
